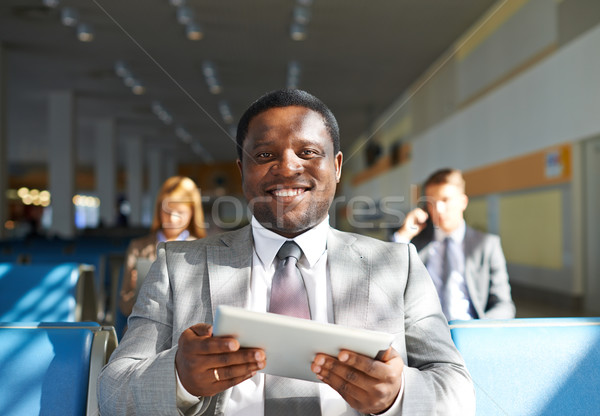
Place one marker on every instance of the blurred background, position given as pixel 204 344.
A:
pixel 101 100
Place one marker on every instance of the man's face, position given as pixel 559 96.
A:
pixel 446 204
pixel 289 170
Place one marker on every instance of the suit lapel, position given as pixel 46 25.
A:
pixel 349 275
pixel 229 269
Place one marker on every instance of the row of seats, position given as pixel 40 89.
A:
pixel 525 367
pixel 53 293
pixel 103 259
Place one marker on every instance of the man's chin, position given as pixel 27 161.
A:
pixel 287 226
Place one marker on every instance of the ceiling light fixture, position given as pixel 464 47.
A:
pixel 121 69
pixel 69 16
pixel 183 134
pixel 176 3
pixel 185 15
pixel 138 88
pixel 162 114
pixel 301 15
pixel 293 74
pixel 129 80
pixel 85 32
pixel 166 118
pixel 194 31
pixel 225 112
pixel 210 75
pixel 51 3
pixel 201 151
pixel 297 31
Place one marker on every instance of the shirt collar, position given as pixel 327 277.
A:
pixel 457 235
pixel 160 236
pixel 267 243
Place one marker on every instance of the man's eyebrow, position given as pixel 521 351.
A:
pixel 262 142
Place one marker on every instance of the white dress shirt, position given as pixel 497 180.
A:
pixel 247 398
pixel 458 303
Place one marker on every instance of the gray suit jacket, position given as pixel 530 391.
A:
pixel 376 285
pixel 485 273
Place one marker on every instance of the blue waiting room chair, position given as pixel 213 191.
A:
pixel 534 366
pixel 52 368
pixel 46 293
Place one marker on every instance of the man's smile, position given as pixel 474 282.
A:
pixel 286 192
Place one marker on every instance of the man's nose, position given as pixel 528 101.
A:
pixel 289 164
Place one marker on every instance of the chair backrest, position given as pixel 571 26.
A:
pixel 45 292
pixel 538 366
pixel 52 368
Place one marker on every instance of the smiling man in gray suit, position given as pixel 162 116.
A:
pixel 467 266
pixel 169 362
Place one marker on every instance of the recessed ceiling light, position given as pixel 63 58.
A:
pixel 297 31
pixel 69 16
pixel 194 31
pixel 185 15
pixel 85 32
pixel 51 3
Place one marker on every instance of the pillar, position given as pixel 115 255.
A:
pixel 155 173
pixel 62 162
pixel 171 166
pixel 3 143
pixel 106 170
pixel 135 180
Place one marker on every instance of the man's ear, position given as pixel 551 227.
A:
pixel 239 165
pixel 464 201
pixel 338 166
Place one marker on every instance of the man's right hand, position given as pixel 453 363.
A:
pixel 208 365
pixel 415 222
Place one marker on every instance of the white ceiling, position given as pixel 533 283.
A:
pixel 358 57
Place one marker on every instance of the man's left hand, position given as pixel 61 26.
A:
pixel 368 385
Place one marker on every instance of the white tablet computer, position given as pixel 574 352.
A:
pixel 291 343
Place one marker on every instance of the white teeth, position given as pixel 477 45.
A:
pixel 288 192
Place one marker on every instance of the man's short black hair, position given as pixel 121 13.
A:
pixel 287 98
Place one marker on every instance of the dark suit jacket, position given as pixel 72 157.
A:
pixel 485 272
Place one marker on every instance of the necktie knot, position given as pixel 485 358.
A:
pixel 289 249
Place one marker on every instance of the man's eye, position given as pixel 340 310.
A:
pixel 263 155
pixel 308 152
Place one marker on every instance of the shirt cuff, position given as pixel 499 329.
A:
pixel 395 408
pixel 185 399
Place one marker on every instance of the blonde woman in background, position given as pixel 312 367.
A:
pixel 178 215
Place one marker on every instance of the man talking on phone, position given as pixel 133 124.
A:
pixel 170 363
pixel 467 266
